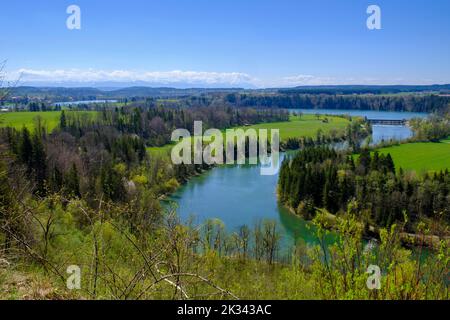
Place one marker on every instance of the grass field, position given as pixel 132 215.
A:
pixel 305 126
pixel 19 119
pixel 160 151
pixel 421 157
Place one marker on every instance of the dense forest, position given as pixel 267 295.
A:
pixel 404 102
pixel 324 178
pixel 416 103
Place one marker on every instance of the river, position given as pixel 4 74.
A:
pixel 239 195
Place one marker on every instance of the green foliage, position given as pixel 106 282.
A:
pixel 433 128
pixel 340 270
pixel 208 263
pixel 62 120
pixel 73 182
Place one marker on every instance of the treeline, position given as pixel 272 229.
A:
pixel 414 103
pixel 289 100
pixel 41 106
pixel 324 178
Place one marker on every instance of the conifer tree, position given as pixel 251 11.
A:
pixel 26 148
pixel 73 182
pixel 63 120
pixel 39 163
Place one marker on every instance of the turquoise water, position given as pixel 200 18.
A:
pixel 239 195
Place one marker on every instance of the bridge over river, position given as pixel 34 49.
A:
pixel 391 122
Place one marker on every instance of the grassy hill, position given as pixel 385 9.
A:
pixel 19 119
pixel 304 126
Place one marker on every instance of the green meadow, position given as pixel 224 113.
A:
pixel 160 151
pixel 50 119
pixel 421 157
pixel 304 126
pixel 19 119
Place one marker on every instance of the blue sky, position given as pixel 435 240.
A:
pixel 259 43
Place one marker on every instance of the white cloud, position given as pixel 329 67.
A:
pixel 161 77
pixel 178 78
pixel 166 77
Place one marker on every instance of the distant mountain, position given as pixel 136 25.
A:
pixel 56 91
pixel 127 84
pixel 166 92
pixel 60 94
